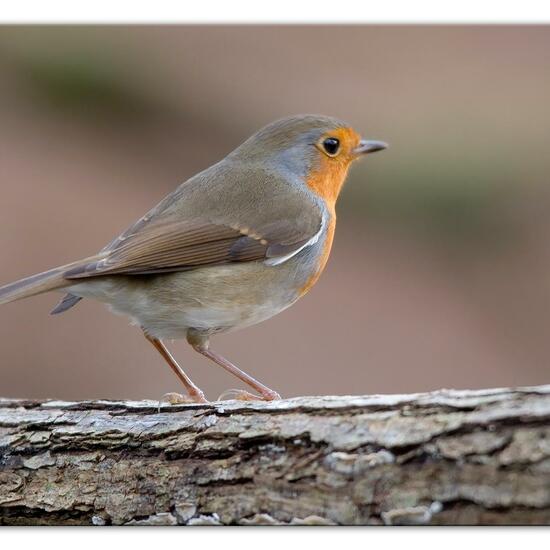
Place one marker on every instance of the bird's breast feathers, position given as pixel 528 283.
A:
pixel 218 298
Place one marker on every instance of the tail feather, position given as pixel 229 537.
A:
pixel 67 302
pixel 37 284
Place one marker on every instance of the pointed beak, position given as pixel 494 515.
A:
pixel 369 146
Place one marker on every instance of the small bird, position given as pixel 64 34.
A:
pixel 230 247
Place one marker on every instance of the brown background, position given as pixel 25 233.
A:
pixel 440 273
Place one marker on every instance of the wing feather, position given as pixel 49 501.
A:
pixel 188 245
pixel 180 232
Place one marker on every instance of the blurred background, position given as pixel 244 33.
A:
pixel 440 271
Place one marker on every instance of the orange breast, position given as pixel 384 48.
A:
pixel 322 262
pixel 326 181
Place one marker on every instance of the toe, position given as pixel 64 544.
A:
pixel 179 399
pixel 239 395
pixel 243 395
pixel 271 396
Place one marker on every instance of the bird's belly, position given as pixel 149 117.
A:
pixel 224 318
pixel 213 299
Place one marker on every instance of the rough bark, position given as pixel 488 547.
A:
pixel 448 457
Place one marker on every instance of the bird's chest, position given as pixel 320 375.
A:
pixel 321 257
pixel 213 299
pixel 235 298
pixel 229 297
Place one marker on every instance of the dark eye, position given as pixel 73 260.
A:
pixel 331 146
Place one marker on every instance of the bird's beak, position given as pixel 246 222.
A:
pixel 369 146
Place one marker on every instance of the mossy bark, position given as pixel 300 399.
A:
pixel 447 457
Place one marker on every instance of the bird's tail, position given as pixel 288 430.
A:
pixel 37 284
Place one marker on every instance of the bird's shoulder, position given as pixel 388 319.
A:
pixel 248 196
pixel 229 213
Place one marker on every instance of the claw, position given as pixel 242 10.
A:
pixel 242 395
pixel 174 398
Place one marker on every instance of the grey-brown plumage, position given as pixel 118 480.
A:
pixel 232 246
pixel 179 233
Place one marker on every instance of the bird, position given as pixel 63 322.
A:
pixel 230 247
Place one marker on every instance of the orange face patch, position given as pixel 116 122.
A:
pixel 326 181
pixel 328 177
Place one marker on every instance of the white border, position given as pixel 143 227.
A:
pixel 267 538
pixel 279 11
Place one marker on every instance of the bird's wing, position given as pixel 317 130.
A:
pixel 172 241
pixel 186 245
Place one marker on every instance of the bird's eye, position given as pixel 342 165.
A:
pixel 331 146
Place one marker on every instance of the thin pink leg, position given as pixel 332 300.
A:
pixel 266 393
pixel 194 392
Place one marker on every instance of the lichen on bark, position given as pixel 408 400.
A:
pixel 446 457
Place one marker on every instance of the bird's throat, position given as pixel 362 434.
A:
pixel 327 180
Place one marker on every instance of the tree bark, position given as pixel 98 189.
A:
pixel 447 457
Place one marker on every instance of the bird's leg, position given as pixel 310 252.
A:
pixel 200 343
pixel 193 391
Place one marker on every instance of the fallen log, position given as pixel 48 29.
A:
pixel 446 457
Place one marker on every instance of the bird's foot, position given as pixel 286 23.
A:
pixel 178 399
pixel 243 395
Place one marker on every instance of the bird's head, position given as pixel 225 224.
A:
pixel 316 148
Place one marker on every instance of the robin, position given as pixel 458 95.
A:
pixel 230 247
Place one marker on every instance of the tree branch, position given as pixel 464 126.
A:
pixel 447 457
